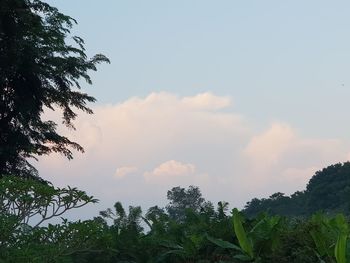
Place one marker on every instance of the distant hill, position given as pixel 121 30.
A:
pixel 328 191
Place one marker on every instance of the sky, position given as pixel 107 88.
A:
pixel 240 98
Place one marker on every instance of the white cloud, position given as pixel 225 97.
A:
pixel 206 101
pixel 218 148
pixel 169 169
pixel 267 148
pixel 280 159
pixel 123 171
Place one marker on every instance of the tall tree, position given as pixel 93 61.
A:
pixel 181 199
pixel 39 69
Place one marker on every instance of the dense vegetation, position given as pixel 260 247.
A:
pixel 327 191
pixel 188 229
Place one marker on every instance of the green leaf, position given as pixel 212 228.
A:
pixel 319 242
pixel 222 243
pixel 241 234
pixel 242 257
pixel 340 248
pixel 170 244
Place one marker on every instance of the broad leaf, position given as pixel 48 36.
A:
pixel 241 234
pixel 222 243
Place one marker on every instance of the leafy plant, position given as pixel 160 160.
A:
pixel 257 244
pixel 33 202
pixel 25 204
pixel 331 237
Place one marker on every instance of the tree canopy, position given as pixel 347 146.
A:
pixel 181 199
pixel 328 190
pixel 119 235
pixel 41 65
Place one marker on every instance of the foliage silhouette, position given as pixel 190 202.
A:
pixel 39 69
pixel 328 190
pixel 204 234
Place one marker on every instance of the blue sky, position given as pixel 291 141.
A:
pixel 285 58
pixel 282 64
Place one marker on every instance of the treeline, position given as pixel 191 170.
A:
pixel 328 191
pixel 188 229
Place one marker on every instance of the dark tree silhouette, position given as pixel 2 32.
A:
pixel 39 69
pixel 181 199
pixel 328 191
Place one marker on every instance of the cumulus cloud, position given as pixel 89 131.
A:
pixel 206 101
pixel 169 169
pixel 267 148
pixel 124 171
pixel 218 148
pixel 280 159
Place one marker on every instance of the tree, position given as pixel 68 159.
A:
pixel 123 221
pixel 25 204
pixel 222 209
pixel 181 199
pixel 30 202
pixel 39 68
pixel 329 189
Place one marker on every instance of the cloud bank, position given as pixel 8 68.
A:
pixel 138 149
